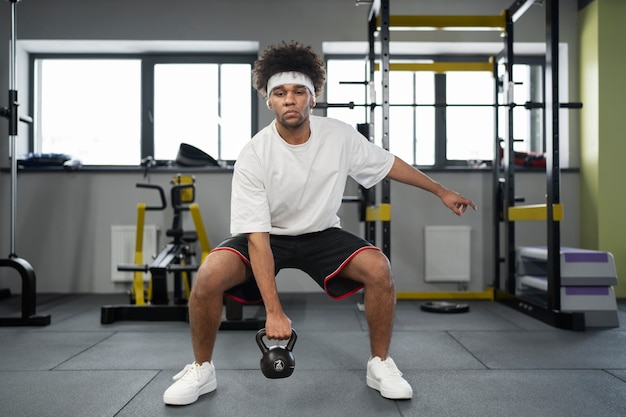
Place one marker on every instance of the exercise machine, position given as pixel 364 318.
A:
pixel 22 266
pixel 177 258
pixel 587 280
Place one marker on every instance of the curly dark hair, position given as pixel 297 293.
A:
pixel 292 56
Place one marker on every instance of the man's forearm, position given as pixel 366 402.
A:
pixel 262 263
pixel 407 174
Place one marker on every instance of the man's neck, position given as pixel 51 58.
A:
pixel 295 135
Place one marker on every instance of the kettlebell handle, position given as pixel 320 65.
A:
pixel 261 333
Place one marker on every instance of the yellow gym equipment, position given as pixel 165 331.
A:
pixel 151 303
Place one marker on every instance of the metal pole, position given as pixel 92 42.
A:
pixel 385 60
pixel 508 157
pixel 13 122
pixel 370 195
pixel 497 193
pixel 552 152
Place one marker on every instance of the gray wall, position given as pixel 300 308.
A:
pixel 64 218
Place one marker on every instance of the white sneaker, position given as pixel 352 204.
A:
pixel 193 381
pixel 385 377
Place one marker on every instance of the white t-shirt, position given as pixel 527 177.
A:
pixel 288 189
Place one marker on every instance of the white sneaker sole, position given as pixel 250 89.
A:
pixel 401 394
pixel 190 399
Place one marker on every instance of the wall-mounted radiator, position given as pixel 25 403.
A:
pixel 447 253
pixel 123 248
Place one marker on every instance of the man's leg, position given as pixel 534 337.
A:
pixel 220 271
pixel 372 268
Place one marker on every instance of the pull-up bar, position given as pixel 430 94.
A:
pixel 519 7
pixel 516 10
pixel 529 105
pixel 440 67
pixel 443 22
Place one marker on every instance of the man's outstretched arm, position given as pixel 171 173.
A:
pixel 407 174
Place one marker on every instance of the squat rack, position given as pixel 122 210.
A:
pixel 550 311
pixel 503 188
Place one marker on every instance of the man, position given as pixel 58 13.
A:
pixel 287 187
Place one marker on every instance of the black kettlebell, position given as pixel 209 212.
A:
pixel 277 361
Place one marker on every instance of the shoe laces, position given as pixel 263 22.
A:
pixel 190 372
pixel 391 367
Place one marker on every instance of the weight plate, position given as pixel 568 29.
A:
pixel 444 307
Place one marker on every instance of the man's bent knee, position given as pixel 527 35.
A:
pixel 220 271
pixel 370 267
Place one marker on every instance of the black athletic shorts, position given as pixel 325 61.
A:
pixel 322 255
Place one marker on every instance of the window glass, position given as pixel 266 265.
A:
pixel 205 105
pixel 401 115
pixel 422 134
pixel 521 121
pixel 469 126
pixel 411 130
pixel 185 108
pixel 424 118
pixel 342 87
pixel 89 109
pixel 235 118
pixel 527 124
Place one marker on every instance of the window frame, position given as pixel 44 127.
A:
pixel 148 63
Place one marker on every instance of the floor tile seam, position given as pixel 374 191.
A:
pixel 466 349
pixel 57 300
pixel 139 391
pixel 522 331
pixel 83 350
pixel 609 371
pixel 67 317
pixel 82 370
pixel 60 301
pixel 406 370
pixel 81 331
pixel 142 331
pixel 536 331
pixel 506 319
pixel 499 369
pixel 434 330
pixel 554 369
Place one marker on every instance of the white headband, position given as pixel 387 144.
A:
pixel 291 77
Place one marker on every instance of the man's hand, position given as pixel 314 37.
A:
pixel 456 202
pixel 278 326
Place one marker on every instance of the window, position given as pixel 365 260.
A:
pixel 89 109
pixel 527 123
pixel 117 110
pixel 438 119
pixel 469 116
pixel 413 138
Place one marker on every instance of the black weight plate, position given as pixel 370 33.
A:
pixel 444 307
